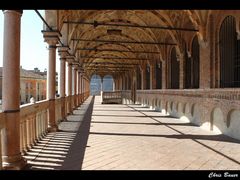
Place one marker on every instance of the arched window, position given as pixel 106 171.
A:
pixel 107 83
pixel 158 75
pixel 174 66
pixel 95 85
pixel 139 78
pixel 195 63
pixel 229 48
pixel 148 77
pixel 188 74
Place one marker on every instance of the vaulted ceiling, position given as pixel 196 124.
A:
pixel 135 36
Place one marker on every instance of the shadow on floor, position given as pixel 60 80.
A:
pixel 62 150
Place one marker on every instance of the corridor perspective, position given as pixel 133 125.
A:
pixel 132 137
pixel 136 90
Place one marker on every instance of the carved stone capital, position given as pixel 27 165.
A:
pixel 63 51
pixel 51 37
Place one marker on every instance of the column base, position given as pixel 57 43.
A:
pixel 53 129
pixel 14 162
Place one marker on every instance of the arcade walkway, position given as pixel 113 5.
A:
pixel 131 137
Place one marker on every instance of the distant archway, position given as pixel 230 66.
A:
pixel 95 85
pixel 107 83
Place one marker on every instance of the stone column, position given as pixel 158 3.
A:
pixel 113 85
pixel 181 59
pixel 75 86
pixel 134 87
pixel 144 85
pixel 70 87
pixel 101 89
pixel 204 65
pixel 83 87
pixel 51 37
pixel 153 76
pixel 79 87
pixel 11 155
pixel 63 52
pixel 164 77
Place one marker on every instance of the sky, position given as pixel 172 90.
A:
pixel 34 52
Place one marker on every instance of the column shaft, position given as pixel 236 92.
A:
pixel 70 87
pixel 75 87
pixel 63 86
pixel 11 155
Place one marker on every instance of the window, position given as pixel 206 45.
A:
pixel 148 77
pixel 174 70
pixel 229 48
pixel 158 75
pixel 195 63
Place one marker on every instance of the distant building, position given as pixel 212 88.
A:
pixel 44 73
pixel 32 84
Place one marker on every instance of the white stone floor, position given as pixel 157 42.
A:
pixel 131 137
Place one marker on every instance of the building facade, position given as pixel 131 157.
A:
pixel 32 84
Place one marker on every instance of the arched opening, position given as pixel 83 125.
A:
pixel 195 63
pixel 107 83
pixel 148 77
pixel 233 124
pixel 174 69
pixel 158 76
pixel 229 48
pixel 188 64
pixel 139 78
pixel 95 85
pixel 217 123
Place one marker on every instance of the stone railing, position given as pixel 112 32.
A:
pixel 72 101
pixel 126 97
pixel 58 110
pixel 110 97
pixel 2 125
pixel 67 103
pixel 33 123
pixel 223 94
pixel 86 95
pixel 213 109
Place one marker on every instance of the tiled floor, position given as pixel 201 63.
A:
pixel 131 137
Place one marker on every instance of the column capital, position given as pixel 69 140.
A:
pixel 51 37
pixel 75 66
pixel 70 58
pixel 80 70
pixel 63 51
pixel 13 11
